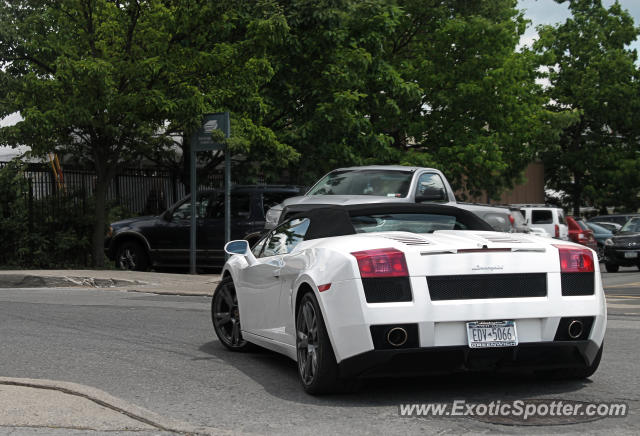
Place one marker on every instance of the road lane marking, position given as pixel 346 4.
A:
pixel 624 285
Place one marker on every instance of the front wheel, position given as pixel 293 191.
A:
pixel 225 316
pixel 132 256
pixel 611 267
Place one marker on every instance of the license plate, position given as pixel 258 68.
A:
pixel 631 254
pixel 491 334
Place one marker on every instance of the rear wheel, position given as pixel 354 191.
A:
pixel 317 367
pixel 611 267
pixel 225 316
pixel 132 256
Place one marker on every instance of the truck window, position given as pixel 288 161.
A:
pixel 541 217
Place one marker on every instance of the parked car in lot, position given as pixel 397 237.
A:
pixel 549 218
pixel 623 249
pixel 614 218
pixel 601 234
pixel 610 226
pixel 397 289
pixel 163 241
pixel 580 233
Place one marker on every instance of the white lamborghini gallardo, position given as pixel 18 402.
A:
pixel 400 289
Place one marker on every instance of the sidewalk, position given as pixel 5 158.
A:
pixel 131 281
pixel 57 407
pixel 68 408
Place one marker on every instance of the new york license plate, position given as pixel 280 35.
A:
pixel 490 334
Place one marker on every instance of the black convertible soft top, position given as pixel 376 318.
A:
pixel 333 220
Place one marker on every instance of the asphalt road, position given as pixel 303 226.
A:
pixel 159 352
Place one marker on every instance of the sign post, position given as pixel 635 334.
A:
pixel 201 140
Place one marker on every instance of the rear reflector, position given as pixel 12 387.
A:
pixel 575 259
pixel 323 288
pixel 557 227
pixel 382 262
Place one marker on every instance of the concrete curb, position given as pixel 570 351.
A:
pixel 120 406
pixel 37 281
pixel 116 280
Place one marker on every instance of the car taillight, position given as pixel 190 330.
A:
pixel 557 231
pixel 512 220
pixel 382 262
pixel 575 259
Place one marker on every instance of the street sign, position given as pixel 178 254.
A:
pixel 202 140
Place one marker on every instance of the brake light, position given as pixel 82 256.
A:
pixel 512 220
pixel 575 259
pixel 557 227
pixel 382 262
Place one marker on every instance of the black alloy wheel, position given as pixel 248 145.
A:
pixel 317 366
pixel 225 316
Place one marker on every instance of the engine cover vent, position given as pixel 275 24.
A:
pixel 409 240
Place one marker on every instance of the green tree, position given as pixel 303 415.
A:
pixel 417 82
pixel 108 81
pixel 593 80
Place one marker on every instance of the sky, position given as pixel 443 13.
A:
pixel 550 12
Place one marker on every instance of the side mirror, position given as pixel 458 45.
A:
pixel 241 247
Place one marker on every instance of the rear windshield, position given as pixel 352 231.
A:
pixel 405 222
pixel 541 217
pixel 384 183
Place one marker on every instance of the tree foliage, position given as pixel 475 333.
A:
pixel 101 80
pixel 433 83
pixel 593 82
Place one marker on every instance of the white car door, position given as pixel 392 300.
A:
pixel 260 303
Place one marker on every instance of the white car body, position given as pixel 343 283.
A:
pixel 550 219
pixel 268 289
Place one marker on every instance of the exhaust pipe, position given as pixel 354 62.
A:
pixel 397 336
pixel 575 329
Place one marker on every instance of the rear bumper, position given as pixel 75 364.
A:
pixel 441 325
pixel 436 360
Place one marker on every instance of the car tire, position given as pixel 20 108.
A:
pixel 317 366
pixel 131 255
pixel 225 316
pixel 611 267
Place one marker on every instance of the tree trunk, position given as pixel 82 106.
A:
pixel 105 174
pixel 576 194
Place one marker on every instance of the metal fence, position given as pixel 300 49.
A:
pixel 139 190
